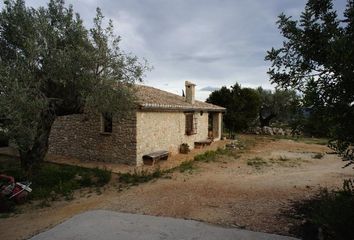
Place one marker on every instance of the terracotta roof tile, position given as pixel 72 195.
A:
pixel 153 98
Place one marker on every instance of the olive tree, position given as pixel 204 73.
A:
pixel 52 65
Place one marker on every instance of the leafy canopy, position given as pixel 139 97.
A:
pixel 317 53
pixel 51 65
pixel 241 105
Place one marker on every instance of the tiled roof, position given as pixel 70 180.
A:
pixel 155 99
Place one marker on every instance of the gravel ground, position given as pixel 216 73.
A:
pixel 228 192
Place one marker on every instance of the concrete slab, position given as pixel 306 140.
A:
pixel 108 225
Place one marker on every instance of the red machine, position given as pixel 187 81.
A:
pixel 16 191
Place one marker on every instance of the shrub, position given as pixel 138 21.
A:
pixel 330 211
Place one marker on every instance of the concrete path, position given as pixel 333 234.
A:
pixel 110 225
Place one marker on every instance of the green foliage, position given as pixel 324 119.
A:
pixel 64 179
pixel 332 211
pixel 138 177
pixel 281 106
pixel 52 181
pixel 187 166
pixel 241 105
pixel 51 65
pixel 210 156
pixel 316 58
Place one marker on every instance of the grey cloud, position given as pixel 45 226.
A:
pixel 210 42
pixel 209 89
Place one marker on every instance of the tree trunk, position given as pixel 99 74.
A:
pixel 265 121
pixel 33 157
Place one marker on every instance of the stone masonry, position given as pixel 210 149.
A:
pixel 80 136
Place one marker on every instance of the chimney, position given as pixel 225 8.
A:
pixel 190 92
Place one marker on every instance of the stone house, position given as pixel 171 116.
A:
pixel 161 121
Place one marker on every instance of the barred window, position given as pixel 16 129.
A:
pixel 191 124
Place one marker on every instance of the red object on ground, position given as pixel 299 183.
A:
pixel 13 190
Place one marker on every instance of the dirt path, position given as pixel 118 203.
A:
pixel 227 192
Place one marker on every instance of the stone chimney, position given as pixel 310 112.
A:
pixel 190 92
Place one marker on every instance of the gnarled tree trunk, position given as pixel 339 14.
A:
pixel 265 121
pixel 32 157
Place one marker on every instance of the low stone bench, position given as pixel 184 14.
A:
pixel 203 143
pixel 152 158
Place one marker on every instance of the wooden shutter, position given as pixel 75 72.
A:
pixel 189 124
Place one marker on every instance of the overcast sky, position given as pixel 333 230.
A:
pixel 212 43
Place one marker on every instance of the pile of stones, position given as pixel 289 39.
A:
pixel 271 131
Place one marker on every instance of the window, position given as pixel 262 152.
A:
pixel 106 123
pixel 191 123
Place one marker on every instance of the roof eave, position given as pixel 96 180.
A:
pixel 179 109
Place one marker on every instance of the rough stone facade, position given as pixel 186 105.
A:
pixel 167 131
pixel 81 136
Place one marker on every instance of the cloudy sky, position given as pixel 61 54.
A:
pixel 212 43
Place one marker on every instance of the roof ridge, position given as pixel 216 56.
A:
pixel 151 97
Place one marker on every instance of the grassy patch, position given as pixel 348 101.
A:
pixel 209 156
pixel 143 176
pixel 257 162
pixel 55 179
pixel 140 176
pixel 187 166
pixel 52 181
pixel 330 211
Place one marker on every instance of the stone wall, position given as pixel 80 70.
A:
pixel 80 136
pixel 166 131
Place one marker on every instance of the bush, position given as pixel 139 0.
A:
pixel 330 211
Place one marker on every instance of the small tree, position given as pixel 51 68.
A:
pixel 51 65
pixel 241 106
pixel 318 48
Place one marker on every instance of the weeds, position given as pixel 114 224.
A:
pixel 143 176
pixel 318 156
pixel 257 163
pixel 284 161
pixel 187 166
pixel 140 176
